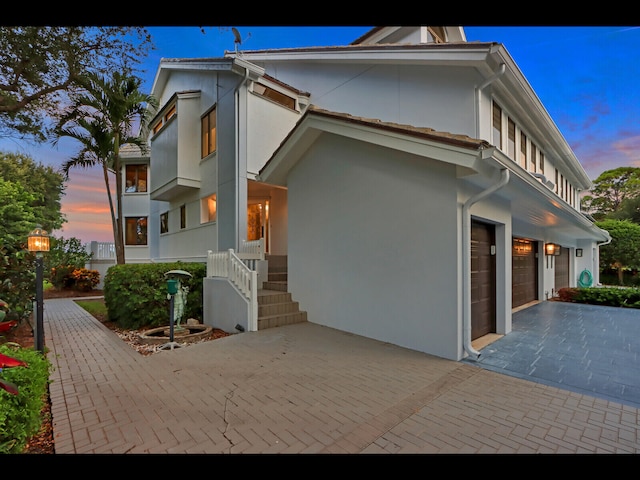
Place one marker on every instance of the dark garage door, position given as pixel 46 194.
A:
pixel 524 272
pixel 561 269
pixel 483 280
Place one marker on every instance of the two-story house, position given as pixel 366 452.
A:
pixel 413 181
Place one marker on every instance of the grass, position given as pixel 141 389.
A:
pixel 96 307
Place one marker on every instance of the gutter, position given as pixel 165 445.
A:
pixel 466 259
pixel 498 73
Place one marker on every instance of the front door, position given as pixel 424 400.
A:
pixel 258 221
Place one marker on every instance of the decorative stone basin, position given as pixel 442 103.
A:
pixel 184 334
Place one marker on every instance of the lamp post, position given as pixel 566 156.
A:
pixel 38 241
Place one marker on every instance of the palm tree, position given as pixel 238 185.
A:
pixel 102 119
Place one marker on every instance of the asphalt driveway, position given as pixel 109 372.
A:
pixel 588 349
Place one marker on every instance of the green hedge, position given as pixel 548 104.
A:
pixel 136 295
pixel 20 414
pixel 610 296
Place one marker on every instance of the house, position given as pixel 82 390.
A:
pixel 413 183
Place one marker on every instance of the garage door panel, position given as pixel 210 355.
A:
pixel 524 274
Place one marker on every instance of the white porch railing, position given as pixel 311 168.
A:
pixel 102 250
pixel 229 265
pixel 252 250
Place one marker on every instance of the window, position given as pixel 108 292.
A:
pixel 511 140
pixel 541 162
pixel 136 230
pixel 183 216
pixel 135 178
pixel 534 151
pixel 164 222
pixel 523 150
pixel 274 95
pixel 556 182
pixel 497 126
pixel 208 209
pixel 171 111
pixel 208 123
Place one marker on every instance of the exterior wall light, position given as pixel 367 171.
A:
pixel 38 242
pixel 552 249
pixel 578 252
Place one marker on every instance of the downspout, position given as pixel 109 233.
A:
pixel 466 258
pixel 596 261
pixel 236 94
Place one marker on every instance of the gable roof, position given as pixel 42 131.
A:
pixel 463 150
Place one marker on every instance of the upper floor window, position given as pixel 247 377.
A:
pixel 497 126
pixel 523 150
pixel 274 95
pixel 135 231
pixel 511 139
pixel 136 178
pixel 170 112
pixel 208 123
pixel 541 162
pixel 534 153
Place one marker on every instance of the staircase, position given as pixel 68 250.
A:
pixel 275 305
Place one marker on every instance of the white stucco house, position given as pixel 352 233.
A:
pixel 409 187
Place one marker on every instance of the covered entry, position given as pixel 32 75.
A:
pixel 483 279
pixel 524 289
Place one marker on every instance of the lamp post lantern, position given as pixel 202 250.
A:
pixel 38 242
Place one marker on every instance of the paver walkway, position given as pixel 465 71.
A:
pixel 305 388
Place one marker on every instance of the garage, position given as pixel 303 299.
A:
pixel 483 279
pixel 524 273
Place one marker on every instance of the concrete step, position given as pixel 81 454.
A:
pixel 279 285
pixel 277 309
pixel 273 321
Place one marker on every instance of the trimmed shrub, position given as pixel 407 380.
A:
pixel 136 295
pixel 20 414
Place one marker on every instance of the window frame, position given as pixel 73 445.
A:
pixel 132 233
pixel 208 134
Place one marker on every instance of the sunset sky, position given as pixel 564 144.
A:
pixel 587 78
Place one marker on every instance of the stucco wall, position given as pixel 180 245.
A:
pixel 372 244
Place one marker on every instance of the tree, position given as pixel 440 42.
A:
pixel 17 279
pixel 611 189
pixel 624 250
pixel 102 119
pixel 45 185
pixel 40 65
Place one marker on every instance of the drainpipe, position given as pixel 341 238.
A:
pixel 236 94
pixel 483 85
pixel 466 259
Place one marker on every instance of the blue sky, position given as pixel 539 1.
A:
pixel 587 78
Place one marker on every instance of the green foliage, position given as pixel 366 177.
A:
pixel 85 280
pixel 101 118
pixel 43 183
pixel 29 195
pixel 624 250
pixel 610 189
pixel 68 252
pixel 607 296
pixel 136 294
pixel 42 65
pixel 68 277
pixel 20 414
pixel 16 211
